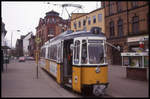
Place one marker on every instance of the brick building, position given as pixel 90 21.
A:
pixel 126 26
pixel 52 24
pixel 123 21
pixel 19 47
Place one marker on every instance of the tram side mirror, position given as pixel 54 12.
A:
pixel 118 48
pixel 71 46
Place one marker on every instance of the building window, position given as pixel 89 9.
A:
pixel 134 4
pixel 51 31
pixel 99 17
pixel 84 22
pixel 119 7
pixel 110 8
pixel 120 27
pixel 135 24
pixel 94 19
pixel 75 25
pixel 50 21
pixel 89 21
pixel 79 24
pixel 103 4
pixel 62 30
pixel 112 32
pixel 55 20
pixel 44 22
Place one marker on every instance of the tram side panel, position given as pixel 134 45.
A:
pixel 54 69
pixel 87 76
pixel 76 79
pixel 90 76
pixel 47 65
pixel 58 74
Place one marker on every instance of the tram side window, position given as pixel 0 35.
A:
pixel 59 53
pixel 44 52
pixel 51 50
pixel 84 52
pixel 76 52
pixel 48 52
pixel 55 52
pixel 41 53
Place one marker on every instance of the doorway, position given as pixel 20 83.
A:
pixel 116 56
pixel 67 61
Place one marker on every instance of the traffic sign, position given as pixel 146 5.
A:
pixel 37 40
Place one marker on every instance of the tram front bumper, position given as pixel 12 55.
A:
pixel 99 89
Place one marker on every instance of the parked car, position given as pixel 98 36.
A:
pixel 22 59
pixel 29 58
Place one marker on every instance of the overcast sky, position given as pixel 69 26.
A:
pixel 24 16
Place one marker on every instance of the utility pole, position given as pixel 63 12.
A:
pixel 37 40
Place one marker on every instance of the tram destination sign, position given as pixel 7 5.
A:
pixel 95 41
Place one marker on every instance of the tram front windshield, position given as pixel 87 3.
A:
pixel 95 52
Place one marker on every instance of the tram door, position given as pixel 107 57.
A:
pixel 67 62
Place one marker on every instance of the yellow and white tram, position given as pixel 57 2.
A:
pixel 78 60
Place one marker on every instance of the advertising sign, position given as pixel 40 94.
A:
pixel 53 68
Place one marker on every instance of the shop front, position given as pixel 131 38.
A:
pixel 136 60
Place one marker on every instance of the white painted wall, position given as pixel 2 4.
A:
pixel 26 44
pixel 3 40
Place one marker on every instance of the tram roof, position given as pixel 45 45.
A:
pixel 70 35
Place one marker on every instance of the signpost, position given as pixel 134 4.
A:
pixel 37 40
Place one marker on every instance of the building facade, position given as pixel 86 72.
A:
pixel 127 25
pixel 26 44
pixel 51 26
pixel 19 47
pixel 3 44
pixel 3 34
pixel 84 21
pixel 125 21
pixel 32 46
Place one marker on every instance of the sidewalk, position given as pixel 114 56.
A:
pixel 20 80
pixel 120 86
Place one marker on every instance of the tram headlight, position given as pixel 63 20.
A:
pixel 97 70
